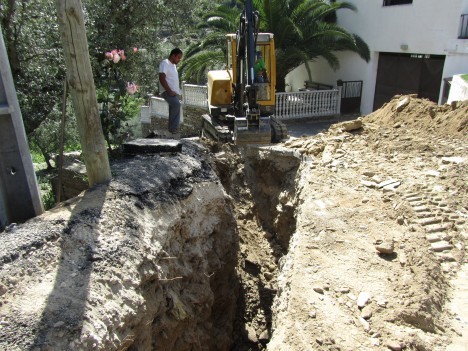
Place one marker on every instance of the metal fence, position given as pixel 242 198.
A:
pixel 305 104
pixel 301 104
pixel 195 95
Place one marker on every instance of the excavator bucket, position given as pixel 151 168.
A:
pixel 252 132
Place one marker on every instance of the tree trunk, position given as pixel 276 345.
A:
pixel 82 90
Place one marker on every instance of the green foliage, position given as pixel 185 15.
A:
pixel 45 187
pixel 34 49
pixel 46 137
pixel 210 52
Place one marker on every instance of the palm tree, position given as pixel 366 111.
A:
pixel 210 52
pixel 306 30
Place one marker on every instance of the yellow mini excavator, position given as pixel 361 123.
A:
pixel 241 98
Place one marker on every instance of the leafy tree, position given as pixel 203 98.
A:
pixel 34 52
pixel 210 52
pixel 45 138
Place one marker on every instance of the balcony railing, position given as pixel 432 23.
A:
pixel 463 27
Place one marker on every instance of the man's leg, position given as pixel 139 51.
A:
pixel 174 112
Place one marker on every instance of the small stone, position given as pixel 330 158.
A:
pixel 366 313
pixel 364 323
pixel 343 290
pixel 313 314
pixel 402 104
pixel 369 184
pixel 374 341
pixel 264 335
pixel 362 299
pixel 385 247
pixel 318 289
pixel 268 275
pixel 394 345
pixel 351 125
pixel 403 259
pixel 251 335
pixel 352 296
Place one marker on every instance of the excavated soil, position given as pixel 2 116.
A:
pixel 350 239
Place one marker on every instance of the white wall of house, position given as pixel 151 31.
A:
pixel 423 27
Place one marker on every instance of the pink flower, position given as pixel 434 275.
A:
pixel 122 55
pixel 109 56
pixel 135 50
pixel 132 88
pixel 115 56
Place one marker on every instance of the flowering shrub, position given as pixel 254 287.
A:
pixel 119 100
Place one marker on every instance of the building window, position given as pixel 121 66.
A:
pixel 396 2
pixel 463 27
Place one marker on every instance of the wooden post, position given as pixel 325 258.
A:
pixel 82 90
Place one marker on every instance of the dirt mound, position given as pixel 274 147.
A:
pixel 380 233
pixel 423 116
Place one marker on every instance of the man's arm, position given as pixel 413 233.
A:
pixel 163 81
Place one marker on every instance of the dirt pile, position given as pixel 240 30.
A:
pixel 381 233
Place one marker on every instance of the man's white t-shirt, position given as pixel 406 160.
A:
pixel 172 77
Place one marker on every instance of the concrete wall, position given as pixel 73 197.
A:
pixel 423 27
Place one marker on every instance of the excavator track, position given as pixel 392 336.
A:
pixel 279 130
pixel 213 129
pixel 270 130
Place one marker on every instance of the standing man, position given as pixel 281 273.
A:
pixel 169 87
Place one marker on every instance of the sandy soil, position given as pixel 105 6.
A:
pixel 380 235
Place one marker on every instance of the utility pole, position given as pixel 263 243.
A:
pixel 82 90
pixel 20 198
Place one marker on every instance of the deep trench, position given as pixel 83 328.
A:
pixel 262 182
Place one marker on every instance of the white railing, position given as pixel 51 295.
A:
pixel 159 107
pixel 301 104
pixel 195 95
pixel 304 104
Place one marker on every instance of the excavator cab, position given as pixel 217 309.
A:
pixel 264 69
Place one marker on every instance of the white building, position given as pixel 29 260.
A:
pixel 416 46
